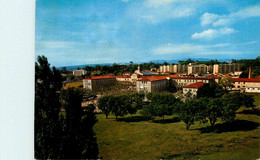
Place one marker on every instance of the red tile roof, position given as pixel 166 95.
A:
pixel 245 79
pixel 100 77
pixel 122 76
pixel 152 78
pixel 195 85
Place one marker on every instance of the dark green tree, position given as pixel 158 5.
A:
pixel 105 104
pixel 148 112
pixel 186 112
pixel 47 125
pixel 119 107
pixel 79 139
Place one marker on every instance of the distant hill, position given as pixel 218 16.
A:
pixel 82 66
pixel 154 61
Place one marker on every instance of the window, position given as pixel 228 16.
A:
pixel 238 82
pixel 253 88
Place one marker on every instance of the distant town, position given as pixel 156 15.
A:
pixel 186 76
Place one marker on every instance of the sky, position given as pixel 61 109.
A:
pixel 82 32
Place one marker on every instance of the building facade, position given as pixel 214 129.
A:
pixel 226 68
pixel 192 88
pixel 78 73
pixel 250 85
pixel 98 82
pixel 151 84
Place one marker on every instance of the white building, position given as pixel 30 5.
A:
pixel 80 72
pixel 193 88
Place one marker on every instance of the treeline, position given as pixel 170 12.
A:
pixel 203 109
pixel 120 105
pixel 62 129
pixel 118 69
pixel 255 67
pixel 211 110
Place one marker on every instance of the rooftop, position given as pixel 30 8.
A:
pixel 152 78
pixel 100 77
pixel 246 79
pixel 195 85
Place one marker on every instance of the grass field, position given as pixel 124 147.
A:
pixel 137 139
pixel 73 84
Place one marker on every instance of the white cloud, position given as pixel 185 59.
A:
pixel 208 18
pixel 252 11
pixel 207 34
pixel 227 30
pixel 158 11
pixel 159 3
pixel 224 20
pixel 212 33
pixel 125 1
pixel 186 48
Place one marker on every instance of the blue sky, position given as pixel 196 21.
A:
pixel 74 32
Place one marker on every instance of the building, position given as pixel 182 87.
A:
pixel 184 81
pixel 226 68
pixel 80 72
pixel 192 88
pixel 198 68
pixel 98 82
pixel 250 85
pixel 151 84
pixel 123 78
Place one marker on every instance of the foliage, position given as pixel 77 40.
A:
pixel 47 107
pixel 162 103
pixel 213 110
pixel 187 112
pixel 105 104
pixel 209 90
pixel 79 139
pixel 118 69
pixel 119 105
pixel 225 81
pixel 255 65
pixel 59 135
pixel 148 112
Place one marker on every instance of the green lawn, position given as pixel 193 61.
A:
pixel 138 139
pixel 73 84
pixel 256 97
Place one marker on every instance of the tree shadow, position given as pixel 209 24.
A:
pixel 251 111
pixel 237 125
pixel 165 121
pixel 132 119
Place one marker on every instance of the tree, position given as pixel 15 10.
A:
pixel 64 70
pixel 186 112
pixel 207 90
pixel 79 139
pixel 248 101
pixel 148 111
pixel 60 135
pixel 162 103
pixel 213 110
pixel 47 126
pixel 226 82
pixel 104 103
pixel 119 108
